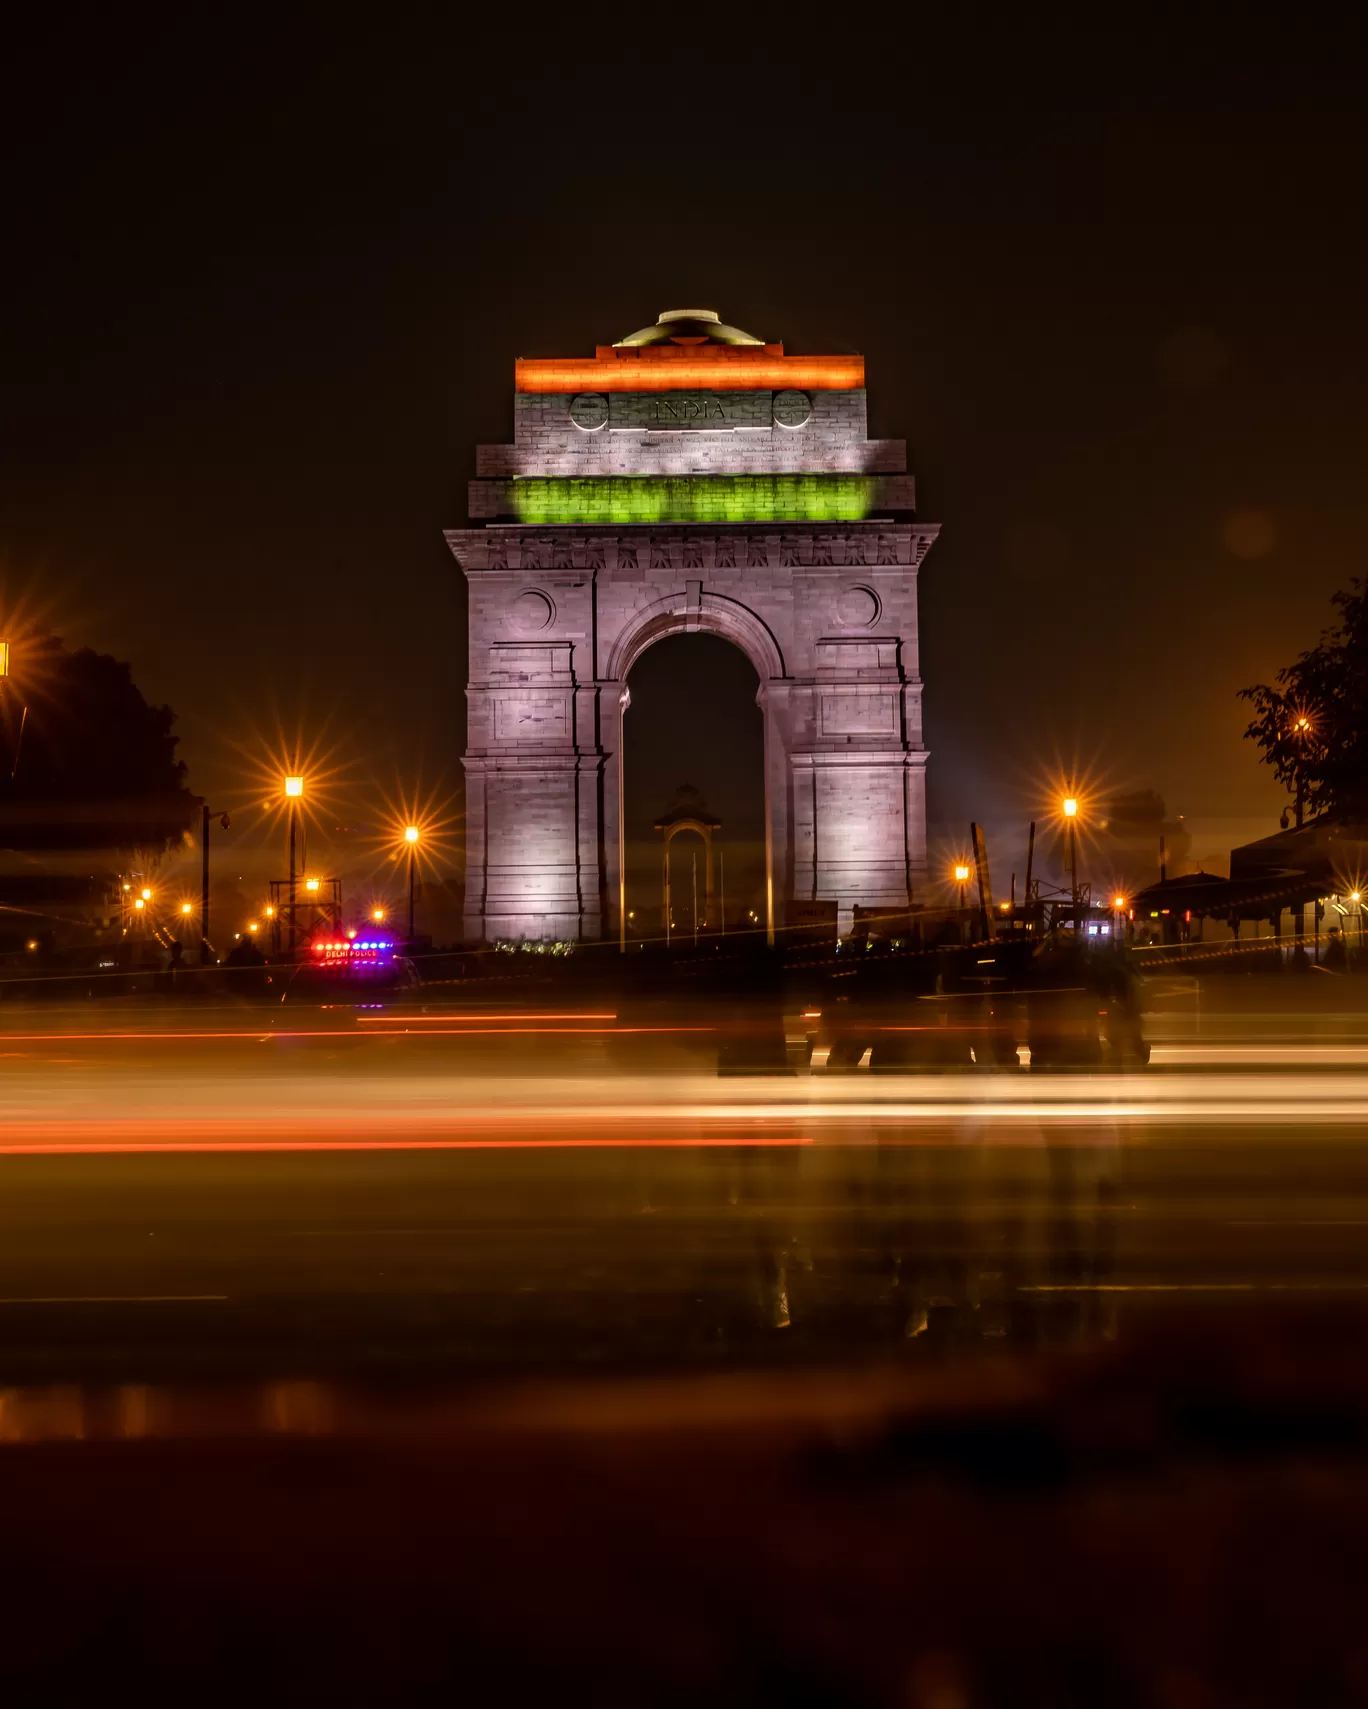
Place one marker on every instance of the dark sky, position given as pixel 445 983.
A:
pixel 264 283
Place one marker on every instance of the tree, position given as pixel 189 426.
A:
pixel 1313 726
pixel 86 760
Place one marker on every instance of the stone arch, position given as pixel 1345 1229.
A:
pixel 712 614
pixel 693 612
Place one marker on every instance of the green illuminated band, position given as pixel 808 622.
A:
pixel 692 498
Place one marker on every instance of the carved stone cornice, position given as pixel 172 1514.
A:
pixel 717 547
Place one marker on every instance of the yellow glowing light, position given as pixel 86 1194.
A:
pixel 251 925
pixel 185 907
pixel 147 895
pixel 1070 807
pixel 1118 901
pixel 311 884
pixel 410 833
pixel 128 886
pixel 294 786
pixel 1005 906
pixel 377 913
pixel 1354 896
pixel 962 874
pixel 139 903
pixel 33 943
pixel 351 934
pixel 4 668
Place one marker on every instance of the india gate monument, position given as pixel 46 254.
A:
pixel 690 478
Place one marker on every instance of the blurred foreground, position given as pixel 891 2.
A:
pixel 358 1356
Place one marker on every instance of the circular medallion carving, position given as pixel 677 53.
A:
pixel 530 611
pixel 589 411
pixel 857 607
pixel 792 409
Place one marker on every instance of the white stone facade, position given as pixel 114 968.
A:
pixel 827 615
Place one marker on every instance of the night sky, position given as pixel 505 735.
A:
pixel 264 285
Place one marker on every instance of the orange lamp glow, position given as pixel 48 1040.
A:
pixel 1070 807
pixel 962 874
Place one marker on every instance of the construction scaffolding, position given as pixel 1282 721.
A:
pixel 301 907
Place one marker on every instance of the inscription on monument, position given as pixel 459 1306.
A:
pixel 688 412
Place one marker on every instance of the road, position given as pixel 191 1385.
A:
pixel 371 1359
pixel 468 1191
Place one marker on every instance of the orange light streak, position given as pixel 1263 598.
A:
pixel 328 1032
pixel 651 1141
pixel 407 1020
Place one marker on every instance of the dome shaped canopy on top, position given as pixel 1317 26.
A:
pixel 687 326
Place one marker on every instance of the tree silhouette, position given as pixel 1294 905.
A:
pixel 80 740
pixel 1313 726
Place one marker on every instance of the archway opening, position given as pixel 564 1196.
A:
pixel 693 723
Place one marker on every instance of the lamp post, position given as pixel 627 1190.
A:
pixel 411 835
pixel 294 792
pixel 961 878
pixel 1071 815
pixel 4 705
pixel 1302 731
pixel 204 880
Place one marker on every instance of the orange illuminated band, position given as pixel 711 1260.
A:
pixel 676 368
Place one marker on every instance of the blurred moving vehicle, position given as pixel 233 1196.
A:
pixel 1070 1005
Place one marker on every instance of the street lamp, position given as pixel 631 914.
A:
pixel 961 878
pixel 294 792
pixel 1071 815
pixel 411 834
pixel 378 915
